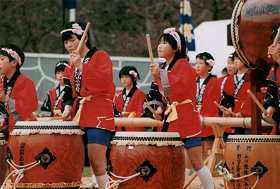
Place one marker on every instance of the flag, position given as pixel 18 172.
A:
pixel 186 26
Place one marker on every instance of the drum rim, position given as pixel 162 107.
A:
pixel 148 134
pixel 253 136
pixel 46 123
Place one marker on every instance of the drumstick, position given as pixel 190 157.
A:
pixel 150 108
pixel 256 101
pixel 228 110
pixel 150 48
pixel 220 107
pixel 275 40
pixel 224 109
pixel 83 37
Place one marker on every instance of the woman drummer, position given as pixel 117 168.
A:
pixel 176 80
pixel 91 76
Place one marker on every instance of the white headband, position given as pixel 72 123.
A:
pixel 61 63
pixel 13 54
pixel 76 28
pixel 175 35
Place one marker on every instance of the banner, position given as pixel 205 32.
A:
pixel 186 26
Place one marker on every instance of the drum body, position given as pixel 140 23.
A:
pixel 3 153
pixel 160 154
pixel 251 29
pixel 58 145
pixel 245 154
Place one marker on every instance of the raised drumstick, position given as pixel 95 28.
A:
pixel 83 37
pixel 275 40
pixel 150 49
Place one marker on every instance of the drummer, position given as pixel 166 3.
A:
pixel 91 76
pixel 271 102
pixel 274 52
pixel 52 104
pixel 18 96
pixel 235 96
pixel 128 102
pixel 176 81
pixel 17 91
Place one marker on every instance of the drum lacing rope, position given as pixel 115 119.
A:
pixel 115 183
pixel 18 171
pixel 228 176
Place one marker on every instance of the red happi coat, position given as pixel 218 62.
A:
pixel 221 84
pixel 182 86
pixel 52 98
pixel 23 100
pixel 271 72
pixel 135 104
pixel 242 102
pixel 208 108
pixel 97 81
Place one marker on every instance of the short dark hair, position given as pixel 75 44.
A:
pixel 60 66
pixel 170 39
pixel 14 48
pixel 67 34
pixel 126 70
pixel 205 56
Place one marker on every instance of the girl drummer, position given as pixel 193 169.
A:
pixel 91 76
pixel 176 80
pixel 129 101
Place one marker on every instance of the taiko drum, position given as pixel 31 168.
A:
pixel 246 154
pixel 158 157
pixel 58 145
pixel 3 151
pixel 251 28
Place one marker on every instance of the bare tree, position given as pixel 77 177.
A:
pixel 118 26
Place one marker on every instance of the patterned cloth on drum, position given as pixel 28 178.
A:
pixel 255 156
pixel 158 157
pixel 58 148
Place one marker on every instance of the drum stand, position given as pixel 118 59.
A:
pixel 257 79
pixel 217 151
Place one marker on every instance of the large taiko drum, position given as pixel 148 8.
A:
pixel 158 157
pixel 3 151
pixel 56 145
pixel 251 28
pixel 254 156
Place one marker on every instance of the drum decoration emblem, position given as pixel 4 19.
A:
pixel 146 170
pixel 45 157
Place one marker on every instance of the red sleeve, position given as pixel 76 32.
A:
pixel 23 100
pixel 98 74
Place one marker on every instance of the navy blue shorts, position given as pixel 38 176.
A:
pixel 98 136
pixel 192 142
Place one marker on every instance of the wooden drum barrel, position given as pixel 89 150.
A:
pixel 3 152
pixel 158 157
pixel 246 154
pixel 58 145
pixel 251 28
